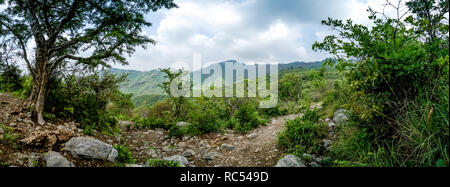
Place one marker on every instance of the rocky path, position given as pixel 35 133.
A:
pixel 257 148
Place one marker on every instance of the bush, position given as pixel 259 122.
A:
pixel 10 78
pixel 304 134
pixel 85 100
pixel 162 163
pixel 124 155
pixel 248 118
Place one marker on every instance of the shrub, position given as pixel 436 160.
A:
pixel 124 154
pixel 162 163
pixel 248 118
pixel 302 133
pixel 10 78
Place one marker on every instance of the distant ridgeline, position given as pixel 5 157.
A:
pixel 144 85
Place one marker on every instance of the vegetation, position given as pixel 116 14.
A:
pixel 125 156
pixel 162 163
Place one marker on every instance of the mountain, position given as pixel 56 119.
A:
pixel 141 82
pixel 144 85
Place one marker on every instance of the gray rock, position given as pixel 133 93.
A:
pixel 13 124
pixel 290 161
pixel 90 148
pixel 210 155
pixel 183 161
pixel 327 143
pixel 331 124
pixel 2 131
pixel 340 117
pixel 314 165
pixel 182 124
pixel 188 153
pixel 227 147
pixel 251 136
pixel 55 159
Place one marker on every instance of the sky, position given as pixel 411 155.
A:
pixel 249 31
pixel 244 30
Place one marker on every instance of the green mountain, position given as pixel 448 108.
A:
pixel 144 85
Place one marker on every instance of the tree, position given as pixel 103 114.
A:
pixel 87 32
pixel 173 77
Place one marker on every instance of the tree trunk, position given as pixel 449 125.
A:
pixel 36 101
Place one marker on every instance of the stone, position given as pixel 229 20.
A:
pixel 182 124
pixel 290 161
pixel 55 159
pixel 12 124
pixel 2 131
pixel 210 155
pixel 188 153
pixel 327 143
pixel 90 148
pixel 340 117
pixel 314 165
pixel 227 147
pixel 251 136
pixel 183 161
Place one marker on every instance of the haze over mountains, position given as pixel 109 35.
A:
pixel 144 85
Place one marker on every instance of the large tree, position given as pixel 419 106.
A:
pixel 87 32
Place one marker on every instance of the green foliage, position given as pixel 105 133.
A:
pixel 303 135
pixel 85 99
pixel 9 136
pixel 248 118
pixel 125 155
pixel 162 163
pixel 10 78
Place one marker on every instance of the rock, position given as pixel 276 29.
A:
pixel 340 117
pixel 2 131
pixel 331 124
pixel 133 166
pixel 290 161
pixel 327 143
pixel 12 124
pixel 251 136
pixel 90 148
pixel 210 155
pixel 183 161
pixel 314 165
pixel 182 124
pixel 152 153
pixel 227 147
pixel 55 159
pixel 188 153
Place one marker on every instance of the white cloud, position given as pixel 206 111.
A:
pixel 246 30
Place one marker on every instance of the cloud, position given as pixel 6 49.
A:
pixel 244 30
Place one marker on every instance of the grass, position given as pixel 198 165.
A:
pixel 9 136
pixel 162 163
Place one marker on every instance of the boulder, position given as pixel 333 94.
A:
pixel 183 161
pixel 290 161
pixel 182 124
pixel 188 153
pixel 227 147
pixel 55 159
pixel 340 117
pixel 90 148
pixel 210 155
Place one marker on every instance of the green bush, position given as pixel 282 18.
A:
pixel 85 100
pixel 10 78
pixel 162 163
pixel 124 155
pixel 248 118
pixel 304 134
